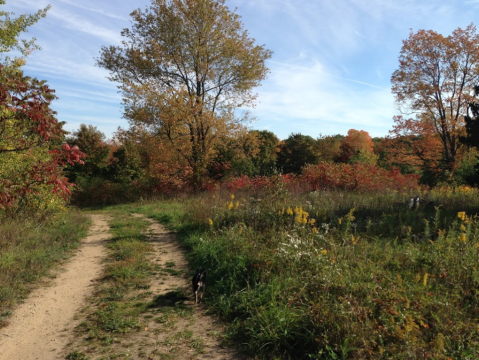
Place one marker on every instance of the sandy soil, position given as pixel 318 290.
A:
pixel 41 326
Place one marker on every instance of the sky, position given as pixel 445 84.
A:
pixel 330 70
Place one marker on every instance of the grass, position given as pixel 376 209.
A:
pixel 367 279
pixel 123 304
pixel 30 249
pixel 118 307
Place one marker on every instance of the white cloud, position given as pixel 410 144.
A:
pixel 308 98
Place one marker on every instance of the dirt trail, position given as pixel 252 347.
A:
pixel 41 326
pixel 182 330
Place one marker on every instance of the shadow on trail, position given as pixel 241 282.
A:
pixel 170 299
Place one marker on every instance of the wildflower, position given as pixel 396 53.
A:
pixel 230 206
pixel 424 280
pixel 210 221
pixel 232 197
pixel 462 237
pixel 314 230
pixel 311 221
pixel 214 196
pixel 340 220
pixel 324 251
pixel 354 240
pixel 461 215
pixel 289 211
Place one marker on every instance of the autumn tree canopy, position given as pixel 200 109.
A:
pixel 183 68
pixel 357 146
pixel 435 81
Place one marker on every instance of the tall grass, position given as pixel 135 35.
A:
pixel 332 275
pixel 29 249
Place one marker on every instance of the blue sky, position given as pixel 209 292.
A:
pixel 330 71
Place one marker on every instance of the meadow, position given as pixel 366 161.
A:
pixel 337 275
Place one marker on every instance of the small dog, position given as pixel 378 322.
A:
pixel 199 285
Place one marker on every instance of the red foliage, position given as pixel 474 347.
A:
pixel 29 124
pixel 357 177
pixel 245 182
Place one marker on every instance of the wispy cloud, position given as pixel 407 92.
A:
pixel 313 100
pixel 94 10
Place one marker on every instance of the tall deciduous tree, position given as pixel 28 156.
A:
pixel 183 68
pixel 435 81
pixel 10 30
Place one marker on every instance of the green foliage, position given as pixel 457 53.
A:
pixel 184 68
pixel 92 142
pixel 339 275
pixel 295 152
pixel 10 30
pixel 265 160
pixel 29 249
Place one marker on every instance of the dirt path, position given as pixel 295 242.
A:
pixel 41 326
pixel 180 329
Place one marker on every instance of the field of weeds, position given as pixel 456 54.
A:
pixel 335 275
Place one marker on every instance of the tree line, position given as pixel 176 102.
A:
pixel 186 69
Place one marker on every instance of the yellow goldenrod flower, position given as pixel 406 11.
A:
pixel 462 237
pixel 230 206
pixel 232 197
pixel 314 230
pixel 461 215
pixel 311 221
pixel 340 220
pixel 324 251
pixel 210 221
pixel 424 280
pixel 354 240
pixel 289 211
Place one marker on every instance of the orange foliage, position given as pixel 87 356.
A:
pixel 435 81
pixel 414 144
pixel 356 141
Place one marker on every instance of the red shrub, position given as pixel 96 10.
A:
pixel 357 177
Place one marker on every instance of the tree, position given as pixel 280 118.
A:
pixel 183 68
pixel 471 140
pixel 357 146
pixel 265 159
pixel 327 147
pixel 295 152
pixel 92 142
pixel 435 81
pixel 32 149
pixel 415 147
pixel 10 30
pixel 32 152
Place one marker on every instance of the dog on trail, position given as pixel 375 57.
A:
pixel 199 285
